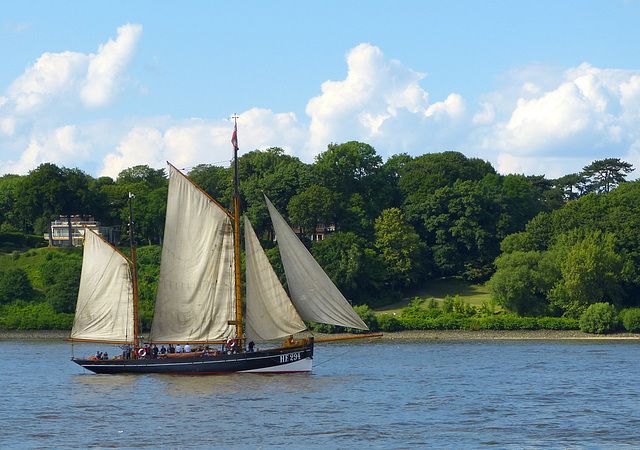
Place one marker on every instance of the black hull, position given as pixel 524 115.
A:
pixel 278 360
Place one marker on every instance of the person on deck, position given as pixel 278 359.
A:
pixel 187 348
pixel 178 348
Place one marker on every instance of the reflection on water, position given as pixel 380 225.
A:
pixel 380 395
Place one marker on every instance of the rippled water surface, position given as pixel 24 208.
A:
pixel 531 394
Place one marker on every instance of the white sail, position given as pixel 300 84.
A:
pixel 313 294
pixel 104 311
pixel 196 287
pixel 269 314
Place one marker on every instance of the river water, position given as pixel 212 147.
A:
pixel 384 394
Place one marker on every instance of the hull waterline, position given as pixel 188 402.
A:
pixel 277 360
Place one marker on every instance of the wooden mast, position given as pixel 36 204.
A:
pixel 136 318
pixel 236 206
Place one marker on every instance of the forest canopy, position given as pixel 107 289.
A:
pixel 545 246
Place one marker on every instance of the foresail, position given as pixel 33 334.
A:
pixel 270 314
pixel 195 297
pixel 313 294
pixel 104 311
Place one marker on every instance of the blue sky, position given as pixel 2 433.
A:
pixel 540 87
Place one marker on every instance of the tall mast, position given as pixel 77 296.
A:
pixel 136 318
pixel 236 206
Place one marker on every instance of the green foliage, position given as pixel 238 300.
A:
pixel 356 269
pixel 521 282
pixel 593 270
pixel 605 174
pixel 599 318
pixel 323 327
pixel 389 322
pixel 39 316
pixel 367 316
pixel 558 323
pixel 400 248
pixel 631 319
pixel 433 303
pixel 14 285
pixel 447 304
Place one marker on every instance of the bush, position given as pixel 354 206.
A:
pixel 432 304
pixel 558 323
pixel 388 322
pixel 599 318
pixel 631 320
pixel 447 304
pixel 367 316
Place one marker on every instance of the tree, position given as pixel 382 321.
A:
pixel 49 191
pixel 154 178
pixel 364 186
pixel 573 186
pixel 355 269
pixel 400 247
pixel 214 180
pixel 281 177
pixel 605 174
pixel 593 270
pixel 314 205
pixel 522 280
pixel 462 225
pixel 14 285
pixel 599 318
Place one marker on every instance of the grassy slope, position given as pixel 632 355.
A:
pixel 469 293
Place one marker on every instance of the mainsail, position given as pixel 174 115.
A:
pixel 313 294
pixel 270 314
pixel 196 287
pixel 104 311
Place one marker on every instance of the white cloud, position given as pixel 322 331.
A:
pixel 54 76
pixel 108 66
pixel 142 146
pixel 541 119
pixel 71 79
pixel 64 146
pixel 590 114
pixel 375 92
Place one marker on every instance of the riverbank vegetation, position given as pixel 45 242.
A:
pixel 437 241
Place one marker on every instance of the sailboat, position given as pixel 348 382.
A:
pixel 198 301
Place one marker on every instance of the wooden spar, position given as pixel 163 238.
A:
pixel 344 338
pixel 136 317
pixel 236 205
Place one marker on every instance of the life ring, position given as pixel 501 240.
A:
pixel 93 358
pixel 142 353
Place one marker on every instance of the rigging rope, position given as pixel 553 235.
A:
pixel 337 356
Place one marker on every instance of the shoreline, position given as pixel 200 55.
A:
pixel 408 335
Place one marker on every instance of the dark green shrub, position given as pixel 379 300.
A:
pixel 599 318
pixel 433 304
pixel 447 304
pixel 558 323
pixel 367 316
pixel 388 322
pixel 323 327
pixel 14 285
pixel 631 319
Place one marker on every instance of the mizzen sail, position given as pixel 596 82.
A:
pixel 270 314
pixel 313 294
pixel 104 311
pixel 195 298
